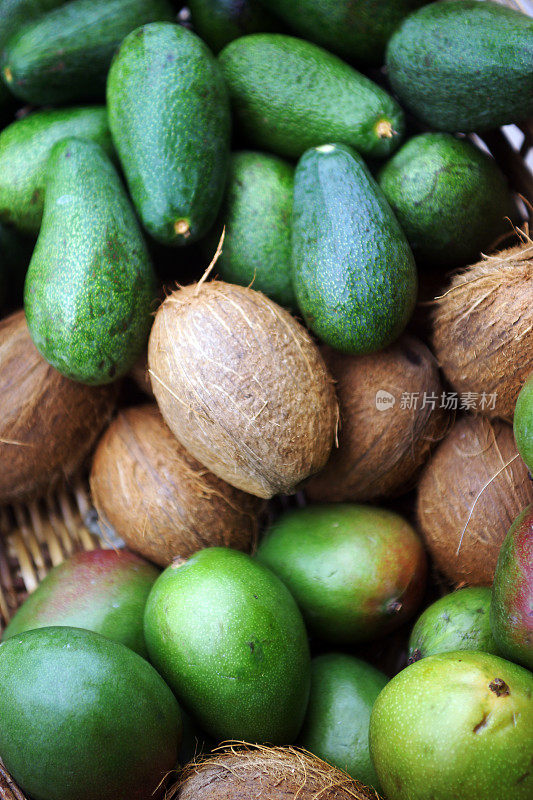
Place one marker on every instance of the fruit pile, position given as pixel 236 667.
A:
pixel 262 280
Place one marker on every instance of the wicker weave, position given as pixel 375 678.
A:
pixel 40 534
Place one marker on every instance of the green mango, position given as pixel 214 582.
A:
pixel 104 591
pixel 228 638
pixel 90 283
pixel 25 147
pixel 455 725
pixel 356 572
pixel 343 691
pixel 170 119
pixel 523 423
pixel 84 717
pixel 64 56
pixel 457 621
pixel 511 615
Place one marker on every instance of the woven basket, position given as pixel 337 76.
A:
pixel 42 533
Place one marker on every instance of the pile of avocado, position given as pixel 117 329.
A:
pixel 326 148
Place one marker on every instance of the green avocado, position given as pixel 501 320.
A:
pixel 356 31
pixel 228 638
pixel 84 717
pixel 353 271
pixel 458 621
pixel 512 592
pixel 356 572
pixel 455 725
pixel 64 55
pixel 90 283
pixel 464 65
pixel 14 14
pixel 452 200
pixel 343 691
pixel 170 120
pixel 256 214
pixel 104 591
pixel 523 423
pixel 25 146
pixel 219 22
pixel 289 95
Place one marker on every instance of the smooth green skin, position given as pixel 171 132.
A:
pixel 104 591
pixel 438 732
pixel 356 31
pixel 228 638
pixel 450 198
pixel 90 284
pixel 343 691
pixel 256 213
pixel 348 567
pixel 511 614
pixel 289 95
pixel 352 269
pixel 219 22
pixel 84 717
pixel 458 621
pixel 13 14
pixel 464 65
pixel 64 56
pixel 523 423
pixel 25 147
pixel 170 120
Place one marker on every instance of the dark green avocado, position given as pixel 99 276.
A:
pixel 464 65
pixel 219 22
pixel 90 283
pixel 170 120
pixel 353 271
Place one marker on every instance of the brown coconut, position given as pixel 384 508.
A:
pixel 470 492
pixel 242 386
pixel 48 423
pixel 483 329
pixel 267 773
pixel 159 499
pixel 381 447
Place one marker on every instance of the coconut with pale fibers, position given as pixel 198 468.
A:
pixel 242 386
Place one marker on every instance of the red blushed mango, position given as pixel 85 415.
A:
pixel 511 615
pixel 103 591
pixel 356 572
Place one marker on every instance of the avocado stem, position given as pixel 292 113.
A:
pixel 384 129
pixel 182 227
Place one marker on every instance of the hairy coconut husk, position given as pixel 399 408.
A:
pixel 381 449
pixel 159 499
pixel 470 492
pixel 271 773
pixel 483 328
pixel 48 423
pixel 242 386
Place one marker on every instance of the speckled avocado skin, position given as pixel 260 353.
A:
pixel 512 592
pixel 219 22
pixel 353 271
pixel 357 31
pixel 65 54
pixel 84 717
pixel 90 283
pixel 343 691
pixel 457 621
pixel 256 214
pixel 451 199
pixel 455 725
pixel 229 640
pixel 523 423
pixel 288 95
pixel 464 65
pixel 25 146
pixel 170 120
